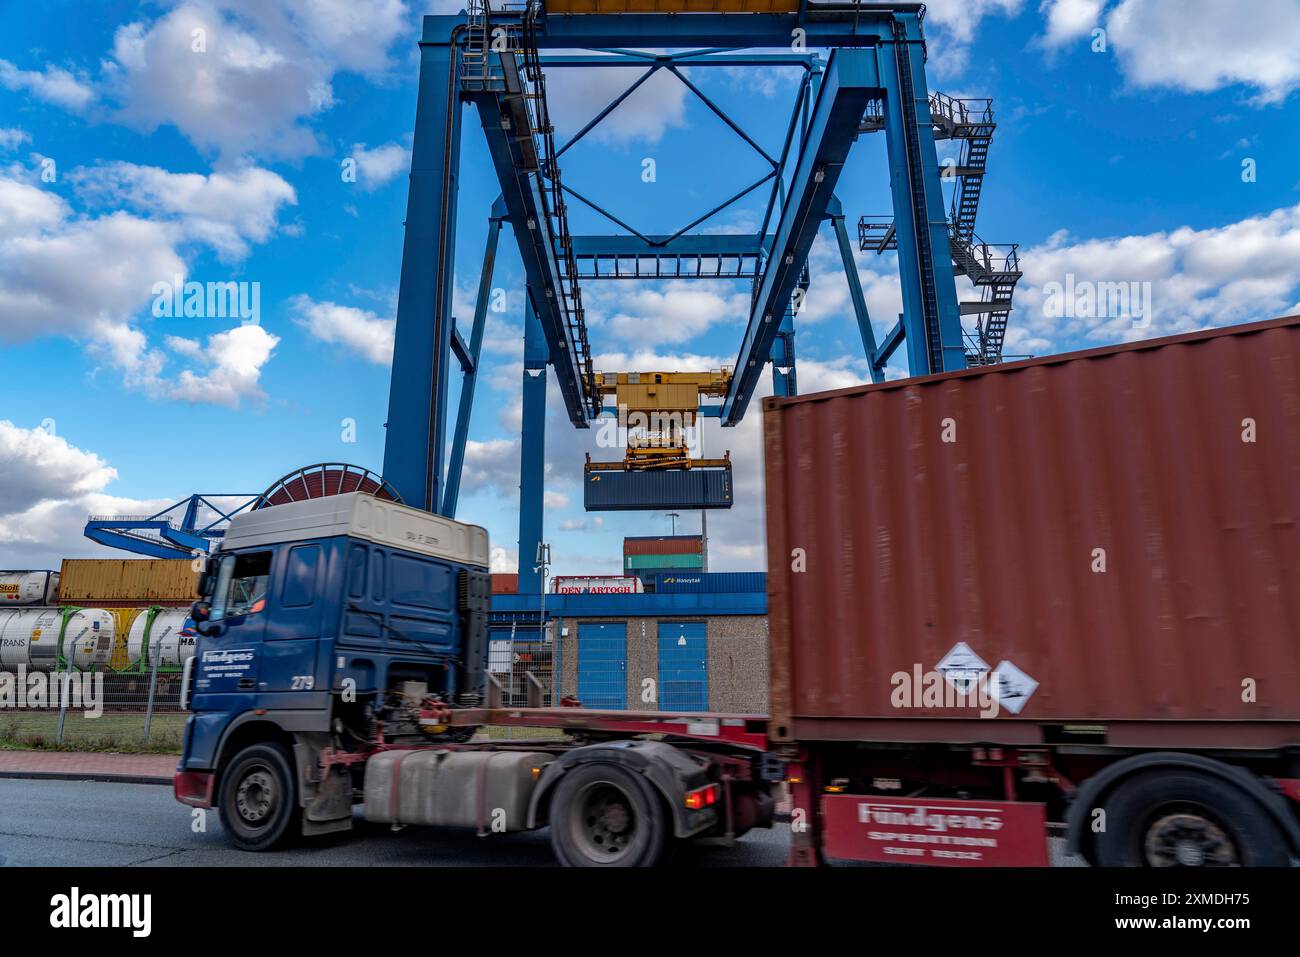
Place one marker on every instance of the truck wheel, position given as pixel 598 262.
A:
pixel 605 816
pixel 258 803
pixel 1178 818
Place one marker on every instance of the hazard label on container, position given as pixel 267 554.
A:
pixel 962 668
pixel 947 832
pixel 1011 687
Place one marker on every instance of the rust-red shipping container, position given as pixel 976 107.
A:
pixel 505 583
pixel 1117 531
pixel 663 545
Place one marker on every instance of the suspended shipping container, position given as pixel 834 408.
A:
pixel 656 490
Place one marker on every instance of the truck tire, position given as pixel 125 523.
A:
pixel 258 803
pixel 1184 818
pixel 606 816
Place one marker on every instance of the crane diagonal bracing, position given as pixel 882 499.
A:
pixel 846 87
pixel 860 68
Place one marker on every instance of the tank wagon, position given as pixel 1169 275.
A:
pixel 28 588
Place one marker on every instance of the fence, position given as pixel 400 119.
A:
pixel 95 711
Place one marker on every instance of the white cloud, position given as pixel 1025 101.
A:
pixel 47 489
pixel 92 278
pixel 224 210
pixel 1201 45
pixel 951 25
pixel 12 137
pixel 658 312
pixel 36 465
pixel 1068 20
pixel 53 85
pixel 377 166
pixel 25 208
pixel 493 464
pixel 266 68
pixel 575 96
pixel 1199 278
pixel 233 360
pixel 358 330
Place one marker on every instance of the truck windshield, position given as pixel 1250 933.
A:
pixel 241 585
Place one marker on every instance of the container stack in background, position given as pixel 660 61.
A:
pixel 127 588
pixel 651 557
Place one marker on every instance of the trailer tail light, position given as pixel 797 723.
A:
pixel 703 797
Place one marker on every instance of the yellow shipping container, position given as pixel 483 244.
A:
pixel 86 580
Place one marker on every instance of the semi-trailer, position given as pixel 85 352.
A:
pixel 1059 594
pixel 1065 590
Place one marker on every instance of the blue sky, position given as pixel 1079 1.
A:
pixel 126 156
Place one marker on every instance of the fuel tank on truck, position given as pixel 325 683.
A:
pixel 453 788
pixel 1107 541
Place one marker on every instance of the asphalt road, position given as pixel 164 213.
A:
pixel 83 823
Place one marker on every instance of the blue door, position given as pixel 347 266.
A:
pixel 602 665
pixel 683 666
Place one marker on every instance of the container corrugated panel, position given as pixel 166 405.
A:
pixel 1176 461
pixel 718 582
pixel 648 562
pixel 127 579
pixel 656 489
pixel 663 545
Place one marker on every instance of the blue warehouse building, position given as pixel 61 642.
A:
pixel 690 645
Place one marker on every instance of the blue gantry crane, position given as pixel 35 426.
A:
pixel 863 70
pixel 183 529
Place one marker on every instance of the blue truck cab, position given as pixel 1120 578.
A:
pixel 322 621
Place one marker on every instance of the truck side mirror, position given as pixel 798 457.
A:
pixel 201 612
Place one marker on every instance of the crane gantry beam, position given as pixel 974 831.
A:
pixel 872 78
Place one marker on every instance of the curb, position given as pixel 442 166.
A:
pixel 107 777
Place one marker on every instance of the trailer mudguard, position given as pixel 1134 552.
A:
pixel 672 771
pixel 1091 793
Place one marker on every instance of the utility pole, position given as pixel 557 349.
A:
pixel 704 512
pixel 674 516
pixel 542 569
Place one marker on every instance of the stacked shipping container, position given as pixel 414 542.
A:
pixel 127 588
pixel 129 582
pixel 644 556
